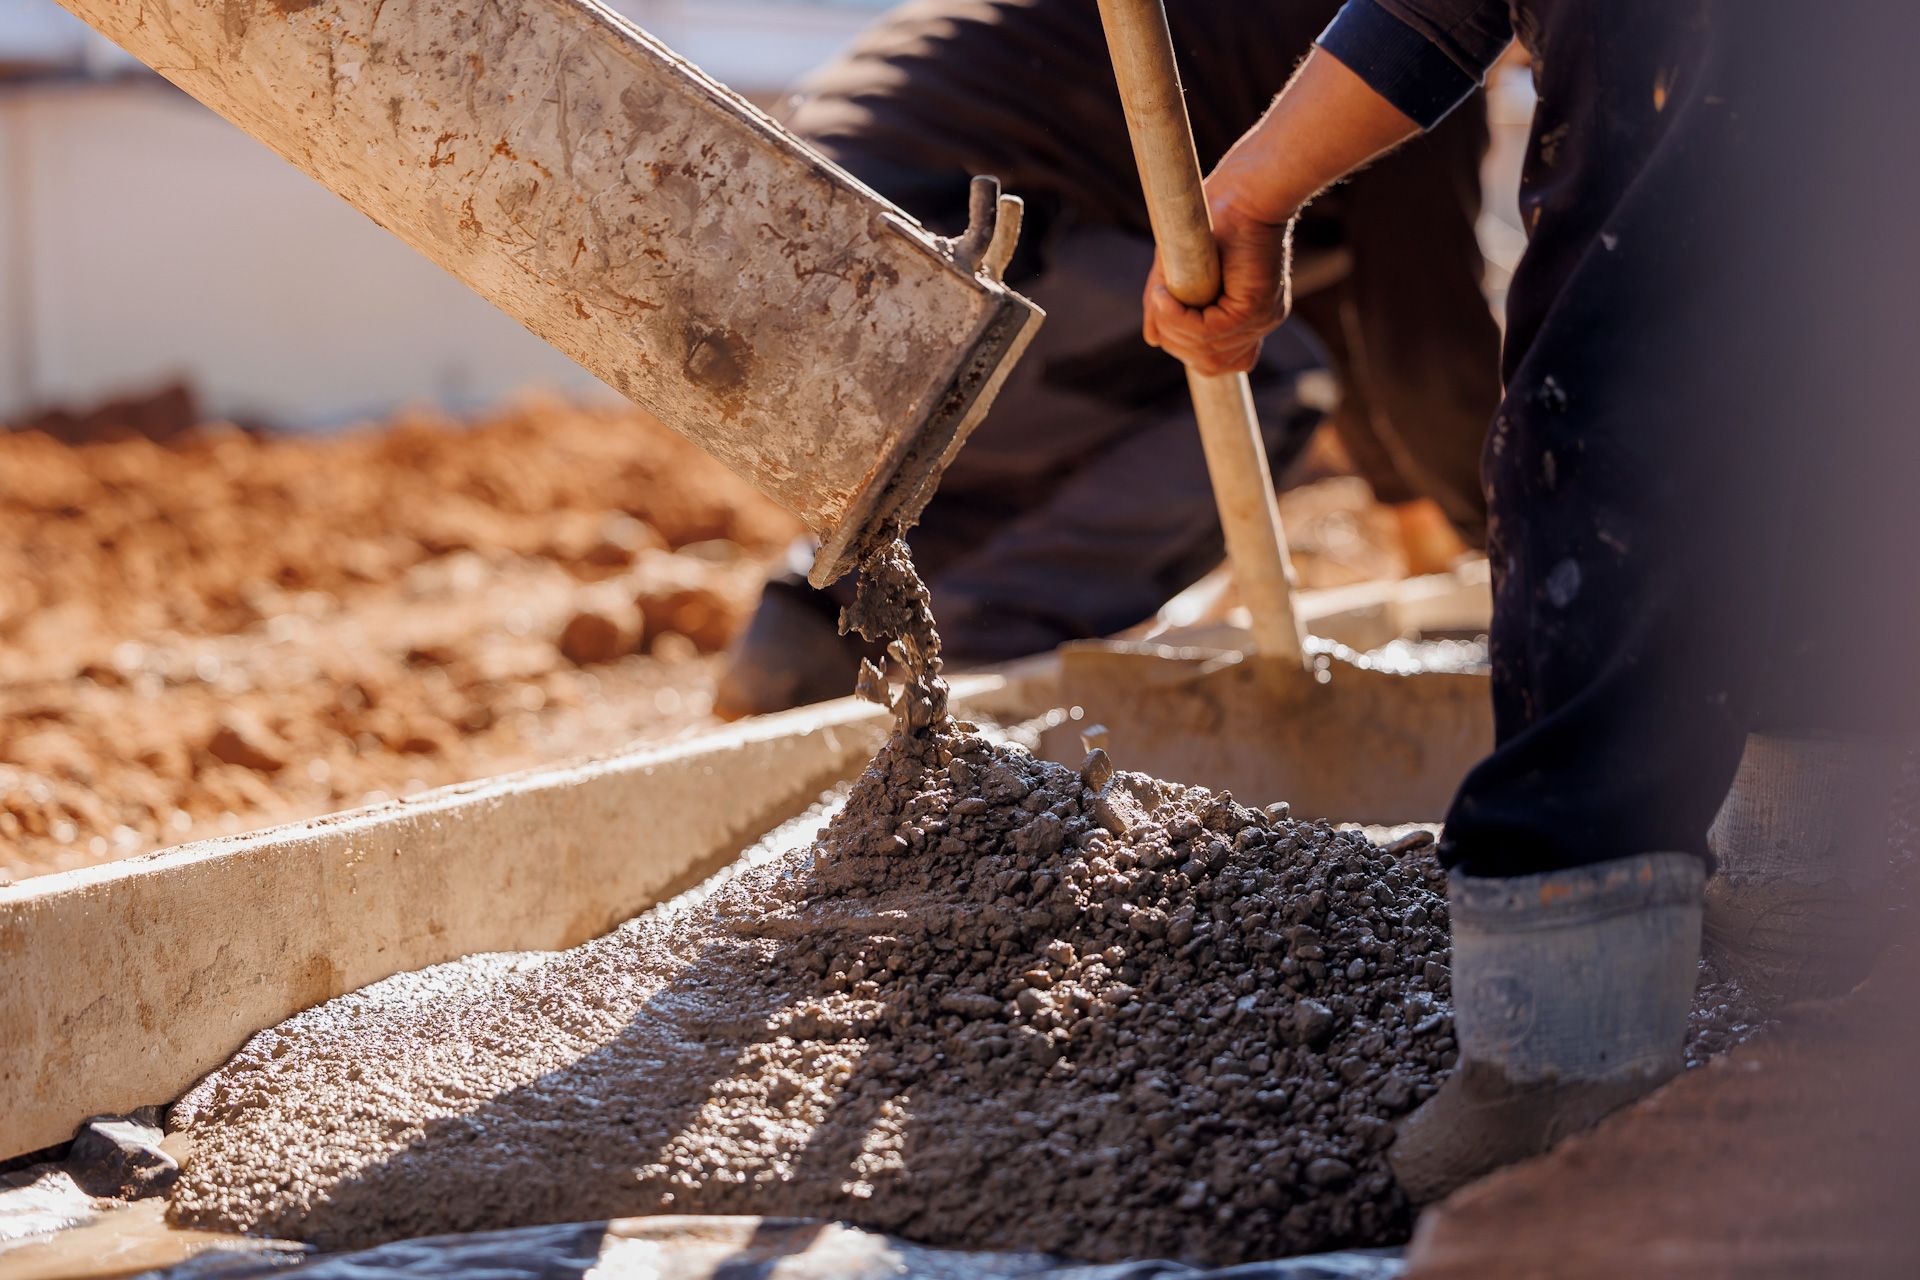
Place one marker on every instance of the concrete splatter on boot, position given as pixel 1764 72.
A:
pixel 1571 992
pixel 1797 906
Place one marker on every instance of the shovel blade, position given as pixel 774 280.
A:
pixel 1365 746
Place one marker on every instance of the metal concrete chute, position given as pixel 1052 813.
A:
pixel 649 223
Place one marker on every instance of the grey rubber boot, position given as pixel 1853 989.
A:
pixel 1797 906
pixel 1570 997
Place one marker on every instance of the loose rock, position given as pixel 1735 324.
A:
pixel 120 1156
pixel 242 741
pixel 593 636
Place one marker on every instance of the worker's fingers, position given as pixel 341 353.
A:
pixel 1149 313
pixel 1225 335
pixel 1170 325
pixel 1237 359
pixel 1206 339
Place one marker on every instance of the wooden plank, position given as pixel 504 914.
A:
pixel 1360 615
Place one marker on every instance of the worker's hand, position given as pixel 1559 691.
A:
pixel 1324 125
pixel 1225 335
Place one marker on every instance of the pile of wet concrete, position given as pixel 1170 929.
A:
pixel 1000 1003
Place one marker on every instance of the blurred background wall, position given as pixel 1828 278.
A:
pixel 143 240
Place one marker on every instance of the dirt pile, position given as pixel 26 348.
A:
pixel 226 629
pixel 208 531
pixel 999 1004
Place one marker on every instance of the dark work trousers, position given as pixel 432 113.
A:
pixel 1701 478
pixel 937 90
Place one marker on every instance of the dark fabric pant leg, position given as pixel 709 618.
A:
pixel 1627 539
pixel 1662 465
pixel 1629 598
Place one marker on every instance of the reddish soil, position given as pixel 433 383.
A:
pixel 1338 535
pixel 226 630
pixel 206 630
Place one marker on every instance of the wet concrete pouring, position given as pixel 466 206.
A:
pixel 998 1004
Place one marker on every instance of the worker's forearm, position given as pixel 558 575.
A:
pixel 1327 123
pixel 1323 126
pixel 1373 82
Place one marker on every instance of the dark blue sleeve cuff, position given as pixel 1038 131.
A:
pixel 1397 62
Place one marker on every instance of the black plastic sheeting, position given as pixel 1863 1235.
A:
pixel 731 1249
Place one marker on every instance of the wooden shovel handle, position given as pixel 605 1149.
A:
pixel 1149 80
pixel 1156 108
